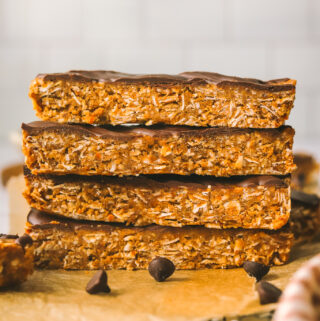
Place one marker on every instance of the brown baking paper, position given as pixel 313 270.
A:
pixel 187 295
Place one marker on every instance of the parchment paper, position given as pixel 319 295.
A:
pixel 187 295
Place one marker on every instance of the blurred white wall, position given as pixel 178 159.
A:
pixel 252 38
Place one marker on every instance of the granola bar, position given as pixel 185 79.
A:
pixel 305 215
pixel 306 176
pixel 190 98
pixel 65 243
pixel 16 259
pixel 247 202
pixel 88 150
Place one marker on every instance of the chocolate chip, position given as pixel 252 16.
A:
pixel 98 283
pixel 257 270
pixel 161 268
pixel 268 293
pixel 24 240
pixel 8 236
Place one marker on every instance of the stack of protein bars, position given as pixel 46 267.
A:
pixel 201 175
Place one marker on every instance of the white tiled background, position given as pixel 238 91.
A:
pixel 253 38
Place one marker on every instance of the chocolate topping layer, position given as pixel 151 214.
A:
pixel 185 78
pixel 163 181
pixel 43 220
pixel 308 199
pixel 24 240
pixel 125 132
pixel 8 236
pixel 301 159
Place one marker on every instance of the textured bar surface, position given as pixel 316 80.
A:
pixel 69 244
pixel 87 150
pixel 247 202
pixel 191 98
pixel 305 216
pixel 16 263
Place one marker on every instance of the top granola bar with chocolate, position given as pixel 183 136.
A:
pixel 190 98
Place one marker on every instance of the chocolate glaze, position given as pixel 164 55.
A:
pixel 185 78
pixel 8 236
pixel 172 181
pixel 303 159
pixel 24 240
pixel 305 198
pixel 43 220
pixel 126 132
